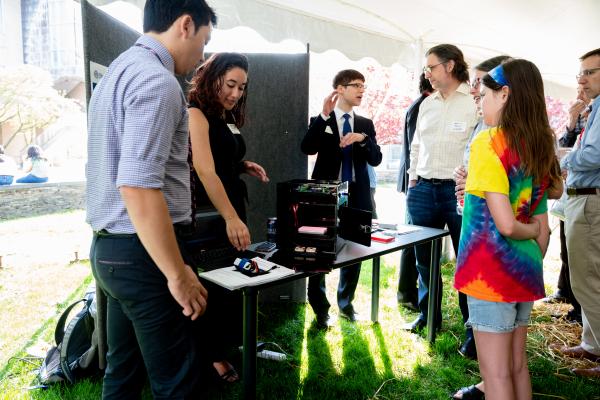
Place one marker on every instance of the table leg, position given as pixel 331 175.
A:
pixel 434 289
pixel 375 289
pixel 249 352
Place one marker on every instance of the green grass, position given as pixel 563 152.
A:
pixel 350 361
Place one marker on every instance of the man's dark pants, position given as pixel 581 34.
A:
pixel 148 336
pixel 407 276
pixel 564 280
pixel 345 293
pixel 317 293
pixel 434 205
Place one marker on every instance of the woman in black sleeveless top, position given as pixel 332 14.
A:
pixel 217 112
pixel 217 101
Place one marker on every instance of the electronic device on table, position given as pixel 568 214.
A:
pixel 313 219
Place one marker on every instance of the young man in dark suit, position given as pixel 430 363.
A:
pixel 345 143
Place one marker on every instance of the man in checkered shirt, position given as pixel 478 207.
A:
pixel 138 197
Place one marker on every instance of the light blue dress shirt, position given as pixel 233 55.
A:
pixel 583 163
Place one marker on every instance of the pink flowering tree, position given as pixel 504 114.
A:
pixel 558 114
pixel 384 103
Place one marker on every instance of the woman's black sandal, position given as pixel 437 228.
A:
pixel 470 393
pixel 230 376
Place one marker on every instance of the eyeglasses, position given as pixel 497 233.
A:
pixel 586 73
pixel 356 85
pixel 430 68
pixel 475 83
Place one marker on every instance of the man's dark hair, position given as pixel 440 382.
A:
pixel 159 15
pixel 449 52
pixel 346 76
pixel 424 84
pixel 491 63
pixel 589 54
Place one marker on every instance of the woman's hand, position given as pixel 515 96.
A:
pixel 460 177
pixel 255 170
pixel 543 238
pixel 556 190
pixel 238 233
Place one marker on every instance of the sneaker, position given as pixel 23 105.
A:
pixel 554 298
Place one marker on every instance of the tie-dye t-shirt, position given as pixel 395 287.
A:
pixel 490 266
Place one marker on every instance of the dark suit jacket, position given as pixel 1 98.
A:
pixel 329 159
pixel 410 126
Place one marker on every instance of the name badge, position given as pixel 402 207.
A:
pixel 458 126
pixel 234 129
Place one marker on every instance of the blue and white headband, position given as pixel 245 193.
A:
pixel 497 74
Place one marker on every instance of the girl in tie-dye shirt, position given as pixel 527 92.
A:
pixel 505 225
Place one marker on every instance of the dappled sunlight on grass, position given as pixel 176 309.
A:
pixel 349 361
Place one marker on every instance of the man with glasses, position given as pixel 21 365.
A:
pixel 582 219
pixel 345 143
pixel 578 113
pixel 446 119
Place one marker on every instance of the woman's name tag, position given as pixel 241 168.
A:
pixel 234 129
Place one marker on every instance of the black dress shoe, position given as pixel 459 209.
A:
pixel 574 316
pixel 322 322
pixel 416 326
pixel 350 315
pixel 407 302
pixel 468 349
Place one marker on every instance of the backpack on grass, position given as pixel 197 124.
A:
pixel 75 355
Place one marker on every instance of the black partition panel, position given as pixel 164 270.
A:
pixel 277 108
pixel 277 121
pixel 104 38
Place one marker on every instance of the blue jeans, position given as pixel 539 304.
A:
pixel 434 205
pixel 31 179
pixel 497 317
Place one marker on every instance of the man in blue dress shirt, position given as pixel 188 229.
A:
pixel 582 219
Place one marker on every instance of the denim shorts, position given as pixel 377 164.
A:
pixel 497 317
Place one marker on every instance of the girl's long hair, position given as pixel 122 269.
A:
pixel 524 120
pixel 207 83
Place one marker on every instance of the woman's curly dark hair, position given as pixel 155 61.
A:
pixel 207 83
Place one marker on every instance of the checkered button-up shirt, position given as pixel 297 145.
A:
pixel 137 137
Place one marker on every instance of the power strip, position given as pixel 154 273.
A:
pixel 268 354
pixel 271 355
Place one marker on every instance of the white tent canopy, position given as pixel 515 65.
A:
pixel 551 33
